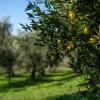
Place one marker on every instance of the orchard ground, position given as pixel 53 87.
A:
pixel 60 85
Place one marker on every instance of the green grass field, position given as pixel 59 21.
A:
pixel 54 86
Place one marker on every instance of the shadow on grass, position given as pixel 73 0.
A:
pixel 74 96
pixel 62 81
pixel 18 85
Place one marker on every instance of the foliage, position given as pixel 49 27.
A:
pixel 65 26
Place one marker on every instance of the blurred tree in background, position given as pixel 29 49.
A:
pixel 7 56
pixel 31 56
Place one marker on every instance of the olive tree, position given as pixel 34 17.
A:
pixel 7 56
pixel 66 26
pixel 31 56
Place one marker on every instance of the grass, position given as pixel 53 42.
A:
pixel 53 86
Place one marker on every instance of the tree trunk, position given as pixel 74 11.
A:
pixel 9 75
pixel 12 72
pixel 33 72
pixel 42 71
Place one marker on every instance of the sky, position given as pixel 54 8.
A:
pixel 16 10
